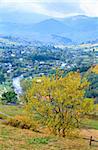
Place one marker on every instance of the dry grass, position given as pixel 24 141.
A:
pixel 21 139
pixel 12 138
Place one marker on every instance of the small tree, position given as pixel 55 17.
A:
pixel 59 102
pixel 9 97
pixel 25 84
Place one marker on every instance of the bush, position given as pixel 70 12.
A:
pixel 22 122
pixel 9 97
pixel 42 140
pixel 59 102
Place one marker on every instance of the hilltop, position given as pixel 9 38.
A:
pixel 77 28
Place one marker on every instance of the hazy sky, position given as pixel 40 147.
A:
pixel 53 8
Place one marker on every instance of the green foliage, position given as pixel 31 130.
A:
pixel 60 102
pixel 2 78
pixel 42 140
pixel 92 91
pixel 25 84
pixel 9 97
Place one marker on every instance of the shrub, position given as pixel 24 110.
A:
pixel 59 102
pixel 9 97
pixel 42 140
pixel 22 122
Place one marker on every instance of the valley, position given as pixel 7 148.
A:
pixel 48 75
pixel 19 57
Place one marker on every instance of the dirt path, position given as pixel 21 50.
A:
pixel 3 116
pixel 89 132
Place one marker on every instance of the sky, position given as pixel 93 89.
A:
pixel 52 8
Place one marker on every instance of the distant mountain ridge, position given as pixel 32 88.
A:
pixel 77 29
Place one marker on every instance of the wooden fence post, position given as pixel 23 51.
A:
pixel 90 143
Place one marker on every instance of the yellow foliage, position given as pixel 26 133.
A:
pixel 59 102
pixel 23 122
pixel 95 69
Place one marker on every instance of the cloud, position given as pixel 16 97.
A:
pixel 61 9
pixel 53 8
pixel 90 7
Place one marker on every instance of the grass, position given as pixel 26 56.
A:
pixel 90 123
pixel 21 139
pixel 40 140
pixel 11 110
pixel 12 138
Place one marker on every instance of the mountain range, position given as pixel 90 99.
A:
pixel 68 30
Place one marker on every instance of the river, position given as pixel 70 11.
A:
pixel 16 84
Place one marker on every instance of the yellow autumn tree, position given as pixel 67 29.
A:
pixel 94 69
pixel 59 103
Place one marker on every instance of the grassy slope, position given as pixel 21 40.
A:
pixel 20 139
pixel 90 123
pixel 11 110
pixel 17 139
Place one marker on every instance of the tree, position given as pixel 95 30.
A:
pixel 92 91
pixel 94 69
pixel 2 78
pixel 9 97
pixel 25 84
pixel 59 103
pixel 92 77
